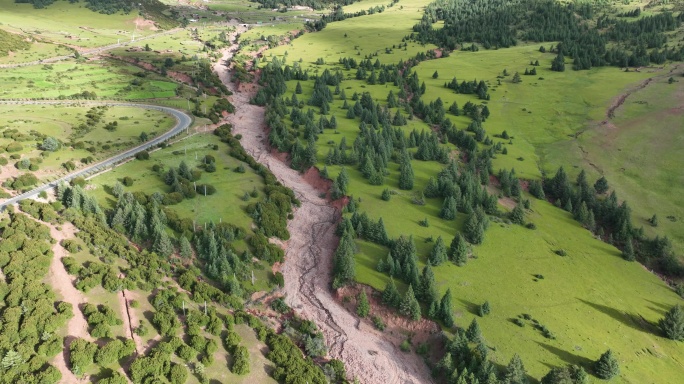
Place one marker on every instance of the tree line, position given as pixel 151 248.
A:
pixel 502 24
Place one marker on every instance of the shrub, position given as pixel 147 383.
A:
pixel 127 181
pixel 143 155
pixel 379 324
pixel 405 346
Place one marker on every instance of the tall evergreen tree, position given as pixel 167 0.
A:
pixel 409 305
pixel 515 372
pixel 405 173
pixel 672 324
pixel 449 208
pixel 473 333
pixel 458 251
pixel 438 255
pixel 390 296
pixel 607 366
pixel 445 312
pixel 601 185
pixel 185 248
pixel 428 286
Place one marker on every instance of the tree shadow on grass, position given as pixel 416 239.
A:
pixel 632 320
pixel 568 357
pixel 659 307
pixel 470 306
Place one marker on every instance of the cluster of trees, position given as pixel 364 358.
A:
pixel 498 24
pixel 270 214
pixel 30 315
pixel 100 318
pixel 469 87
pixel 609 219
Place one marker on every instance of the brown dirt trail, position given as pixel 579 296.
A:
pixel 368 355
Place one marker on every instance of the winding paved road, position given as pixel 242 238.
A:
pixel 183 121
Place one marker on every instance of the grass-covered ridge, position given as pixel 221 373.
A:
pixel 532 126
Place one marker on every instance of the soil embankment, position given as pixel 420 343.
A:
pixel 368 355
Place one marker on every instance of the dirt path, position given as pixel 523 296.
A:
pixel 62 282
pixel 308 260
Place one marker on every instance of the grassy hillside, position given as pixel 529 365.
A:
pixel 591 299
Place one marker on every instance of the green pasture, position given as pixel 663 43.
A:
pixel 591 299
pixel 37 51
pixel 596 300
pixel 366 35
pixel 109 79
pixel 226 204
pixel 640 155
pixel 59 122
pixel 70 24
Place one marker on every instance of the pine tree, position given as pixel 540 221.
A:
pixel 405 173
pixel 473 229
pixel 449 207
pixel 601 185
pixel 409 305
pixel 445 312
pixel 458 251
pixel 473 333
pixel 363 307
pixel 343 181
pixel 607 366
pixel 628 252
pixel 344 269
pixel 438 255
pixel 515 372
pixel 672 324
pixel 163 245
pixel 185 248
pixel 390 296
pixel 517 215
pixel 484 309
pixel 428 286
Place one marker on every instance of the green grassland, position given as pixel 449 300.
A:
pixel 641 155
pixel 109 79
pixel 366 35
pixel 594 300
pixel 36 51
pixel 230 185
pixel 70 24
pixel 60 122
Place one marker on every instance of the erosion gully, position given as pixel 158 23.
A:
pixel 366 352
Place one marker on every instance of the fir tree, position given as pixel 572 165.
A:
pixel 607 366
pixel 601 185
pixel 672 324
pixel 445 312
pixel 449 208
pixel 428 286
pixel 515 372
pixel 517 215
pixel 458 250
pixel 405 173
pixel 390 296
pixel 185 248
pixel 409 305
pixel 628 251
pixel 473 333
pixel 438 255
